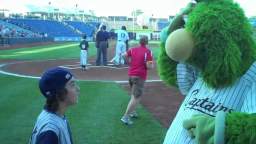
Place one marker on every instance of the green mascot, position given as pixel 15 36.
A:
pixel 211 57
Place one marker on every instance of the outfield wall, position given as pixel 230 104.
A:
pixel 16 41
pixel 58 39
pixel 150 35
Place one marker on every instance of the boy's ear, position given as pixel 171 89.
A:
pixel 61 94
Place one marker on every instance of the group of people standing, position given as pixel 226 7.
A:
pixel 61 91
pixel 102 44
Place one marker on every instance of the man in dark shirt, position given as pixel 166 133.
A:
pixel 102 44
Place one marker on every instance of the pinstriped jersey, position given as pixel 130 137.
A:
pixel 201 99
pixel 47 121
pixel 186 77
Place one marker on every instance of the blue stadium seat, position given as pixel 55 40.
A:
pixel 52 28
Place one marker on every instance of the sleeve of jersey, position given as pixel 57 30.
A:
pixel 186 77
pixel 249 104
pixel 47 137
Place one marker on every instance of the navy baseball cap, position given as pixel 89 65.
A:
pixel 53 80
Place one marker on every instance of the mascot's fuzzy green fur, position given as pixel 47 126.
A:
pixel 212 57
pixel 224 47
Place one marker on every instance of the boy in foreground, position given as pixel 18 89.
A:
pixel 59 88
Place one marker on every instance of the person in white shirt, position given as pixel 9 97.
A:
pixel 122 38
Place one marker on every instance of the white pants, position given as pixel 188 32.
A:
pixel 83 57
pixel 120 49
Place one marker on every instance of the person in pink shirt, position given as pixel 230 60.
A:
pixel 140 59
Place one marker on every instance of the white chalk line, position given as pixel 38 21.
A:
pixel 77 66
pixel 37 77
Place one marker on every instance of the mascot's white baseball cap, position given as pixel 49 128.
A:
pixel 52 80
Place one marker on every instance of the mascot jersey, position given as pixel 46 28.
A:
pixel 200 99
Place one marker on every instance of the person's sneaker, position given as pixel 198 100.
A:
pixel 134 115
pixel 126 120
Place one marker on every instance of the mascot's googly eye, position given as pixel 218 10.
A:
pixel 179 45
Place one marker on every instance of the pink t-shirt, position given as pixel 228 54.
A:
pixel 139 56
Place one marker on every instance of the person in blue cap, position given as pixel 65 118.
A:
pixel 59 88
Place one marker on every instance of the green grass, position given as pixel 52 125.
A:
pixel 19 108
pixel 60 51
pixel 56 51
pixel 94 120
pixel 155 52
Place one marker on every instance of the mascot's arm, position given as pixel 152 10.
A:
pixel 177 23
pixel 236 127
pixel 231 128
pixel 241 127
pixel 186 77
pixel 166 66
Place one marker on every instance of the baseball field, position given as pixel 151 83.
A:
pixel 104 95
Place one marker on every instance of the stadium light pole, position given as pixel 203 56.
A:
pixel 83 15
pixel 5 10
pixel 115 22
pixel 49 5
pixel 133 21
pixel 56 13
pixel 76 12
pixel 152 21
